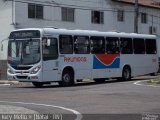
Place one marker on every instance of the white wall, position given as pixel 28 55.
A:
pixel 52 15
pixel 5 26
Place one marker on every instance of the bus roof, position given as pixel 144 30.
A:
pixel 52 31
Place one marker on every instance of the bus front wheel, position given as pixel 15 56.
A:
pixel 67 78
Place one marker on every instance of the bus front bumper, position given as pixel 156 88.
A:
pixel 24 77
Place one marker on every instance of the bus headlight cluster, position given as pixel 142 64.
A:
pixel 35 70
pixel 10 71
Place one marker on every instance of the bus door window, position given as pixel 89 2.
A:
pixel 50 49
pixel 81 45
pixel 97 45
pixel 126 45
pixel 112 45
pixel 66 44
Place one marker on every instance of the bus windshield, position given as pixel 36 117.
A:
pixel 24 52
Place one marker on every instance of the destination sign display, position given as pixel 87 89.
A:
pixel 25 34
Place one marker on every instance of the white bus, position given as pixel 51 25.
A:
pixel 46 55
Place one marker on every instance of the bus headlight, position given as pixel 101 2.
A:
pixel 10 71
pixel 35 70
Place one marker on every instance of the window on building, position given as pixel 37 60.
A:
pixel 97 17
pixel 153 30
pixel 81 45
pixel 35 11
pixel 151 46
pixel 66 44
pixel 97 45
pixel 120 15
pixel 126 46
pixel 68 14
pixel 112 45
pixel 143 18
pixel 139 46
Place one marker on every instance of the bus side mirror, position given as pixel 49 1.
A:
pixel 1 44
pixel 2 47
pixel 48 42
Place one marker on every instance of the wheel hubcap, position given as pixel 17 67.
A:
pixel 126 73
pixel 66 78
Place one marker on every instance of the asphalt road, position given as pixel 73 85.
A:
pixel 111 100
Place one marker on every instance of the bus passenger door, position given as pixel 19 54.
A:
pixel 50 59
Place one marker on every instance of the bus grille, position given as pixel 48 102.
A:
pixel 22 77
pixel 21 67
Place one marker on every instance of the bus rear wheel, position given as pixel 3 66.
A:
pixel 126 73
pixel 67 78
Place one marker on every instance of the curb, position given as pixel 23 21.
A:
pixel 9 82
pixel 13 110
pixel 143 83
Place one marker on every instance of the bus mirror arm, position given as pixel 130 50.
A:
pixel 2 43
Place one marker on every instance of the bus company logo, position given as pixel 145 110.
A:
pixel 106 61
pixel 75 59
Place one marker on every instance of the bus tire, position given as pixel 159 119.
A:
pixel 67 78
pixel 37 84
pixel 126 73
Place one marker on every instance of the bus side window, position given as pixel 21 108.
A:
pixel 139 46
pixel 81 45
pixel 66 44
pixel 126 45
pixel 112 45
pixel 97 45
pixel 151 46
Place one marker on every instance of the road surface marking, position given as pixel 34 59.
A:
pixel 78 114
pixel 140 84
pixel 4 84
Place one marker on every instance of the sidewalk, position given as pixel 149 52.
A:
pixel 8 109
pixel 9 82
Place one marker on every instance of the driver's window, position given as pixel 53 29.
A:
pixel 50 52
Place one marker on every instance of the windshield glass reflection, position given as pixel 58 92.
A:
pixel 24 52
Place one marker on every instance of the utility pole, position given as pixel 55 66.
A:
pixel 136 17
pixel 12 12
